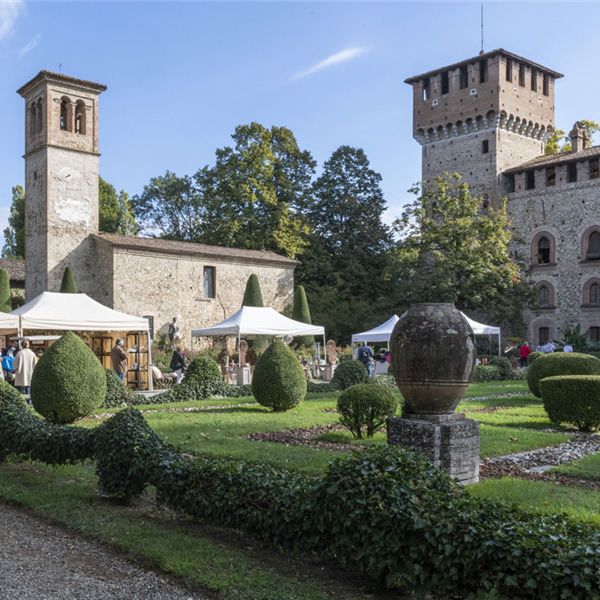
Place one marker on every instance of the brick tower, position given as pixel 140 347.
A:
pixel 481 116
pixel 61 180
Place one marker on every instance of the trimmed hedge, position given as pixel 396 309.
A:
pixel 349 373
pixel 560 363
pixel 504 367
pixel 533 355
pixel 278 381
pixel 68 382
pixel 202 370
pixel 117 393
pixel 321 388
pixel 366 406
pixel 386 513
pixel 482 373
pixel 572 399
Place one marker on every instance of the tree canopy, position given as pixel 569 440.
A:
pixel 116 210
pixel 14 234
pixel 553 145
pixel 67 285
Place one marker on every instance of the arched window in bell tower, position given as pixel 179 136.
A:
pixel 66 113
pixel 80 117
pixel 39 116
pixel 33 118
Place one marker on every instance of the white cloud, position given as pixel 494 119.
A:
pixel 30 46
pixel 9 11
pixel 334 59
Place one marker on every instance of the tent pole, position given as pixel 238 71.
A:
pixel 324 349
pixel 150 377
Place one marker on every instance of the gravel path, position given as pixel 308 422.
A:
pixel 40 561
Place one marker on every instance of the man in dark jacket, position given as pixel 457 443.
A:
pixel 118 356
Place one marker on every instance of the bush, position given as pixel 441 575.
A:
pixel 562 363
pixel 68 382
pixel 301 313
pixel 67 285
pixel 202 370
pixel 504 367
pixel 572 399
pixel 349 373
pixel 321 388
pixel 117 394
pixel 366 406
pixel 533 355
pixel 483 373
pixel 278 381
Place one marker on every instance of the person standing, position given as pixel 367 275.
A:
pixel 12 350
pixel 118 356
pixel 365 354
pixel 24 364
pixel 524 353
pixel 568 348
pixel 178 362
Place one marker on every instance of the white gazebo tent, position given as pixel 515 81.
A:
pixel 252 321
pixel 481 329
pixel 74 312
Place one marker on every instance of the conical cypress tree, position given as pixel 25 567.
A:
pixel 301 313
pixel 5 301
pixel 68 282
pixel 252 295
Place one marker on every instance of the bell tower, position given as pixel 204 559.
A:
pixel 61 180
pixel 481 116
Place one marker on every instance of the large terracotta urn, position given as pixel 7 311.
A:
pixel 432 356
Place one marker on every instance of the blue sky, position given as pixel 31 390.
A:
pixel 182 75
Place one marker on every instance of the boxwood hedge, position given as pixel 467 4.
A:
pixel 560 363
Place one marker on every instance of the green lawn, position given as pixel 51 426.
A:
pixel 584 468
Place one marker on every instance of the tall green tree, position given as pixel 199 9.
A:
pixel 5 295
pixel 458 251
pixel 301 313
pixel 14 234
pixel 252 293
pixel 169 207
pixel 345 269
pixel 255 192
pixel 67 285
pixel 116 210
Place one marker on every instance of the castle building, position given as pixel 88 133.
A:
pixel 488 118
pixel 154 278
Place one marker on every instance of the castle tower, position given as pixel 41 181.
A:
pixel 482 116
pixel 61 180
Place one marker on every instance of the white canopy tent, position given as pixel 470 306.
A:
pixel 73 312
pixel 384 331
pixel 253 321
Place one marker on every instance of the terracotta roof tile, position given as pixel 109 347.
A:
pixel 556 159
pixel 173 247
pixel 15 268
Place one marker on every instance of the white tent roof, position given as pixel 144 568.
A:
pixel 378 334
pixel 8 321
pixel 480 328
pixel 252 320
pixel 52 310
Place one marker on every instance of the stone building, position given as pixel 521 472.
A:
pixel 155 278
pixel 488 118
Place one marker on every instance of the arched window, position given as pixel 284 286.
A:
pixel 591 292
pixel 593 247
pixel 544 295
pixel 66 114
pixel 33 119
pixel 80 117
pixel 39 116
pixel 543 250
pixel 594 294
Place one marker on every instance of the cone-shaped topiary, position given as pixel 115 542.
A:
pixel 301 313
pixel 561 363
pixel 5 299
pixel 67 285
pixel 68 381
pixel 252 295
pixel 278 381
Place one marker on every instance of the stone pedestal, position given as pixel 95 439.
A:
pixel 242 375
pixel 328 372
pixel 450 441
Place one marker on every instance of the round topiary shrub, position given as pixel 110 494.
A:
pixel 117 394
pixel 572 399
pixel 349 373
pixel 482 373
pixel 202 369
pixel 533 355
pixel 366 406
pixel 570 363
pixel 278 381
pixel 68 381
pixel 503 365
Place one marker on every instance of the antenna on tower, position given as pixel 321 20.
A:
pixel 482 28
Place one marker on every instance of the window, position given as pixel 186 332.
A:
pixel 594 295
pixel 40 116
pixel 543 335
pixel 485 146
pixel 595 334
pixel 594 168
pixel 208 282
pixel 509 183
pixel 33 119
pixel 530 180
pixel 445 83
pixel 571 172
pixel 593 246
pixel 464 77
pixel 543 251
pixel 80 117
pixel 522 75
pixel 545 84
pixel 533 80
pixel 426 90
pixel 482 71
pixel 64 121
pixel 550 177
pixel 150 320
pixel 508 69
pixel 544 296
